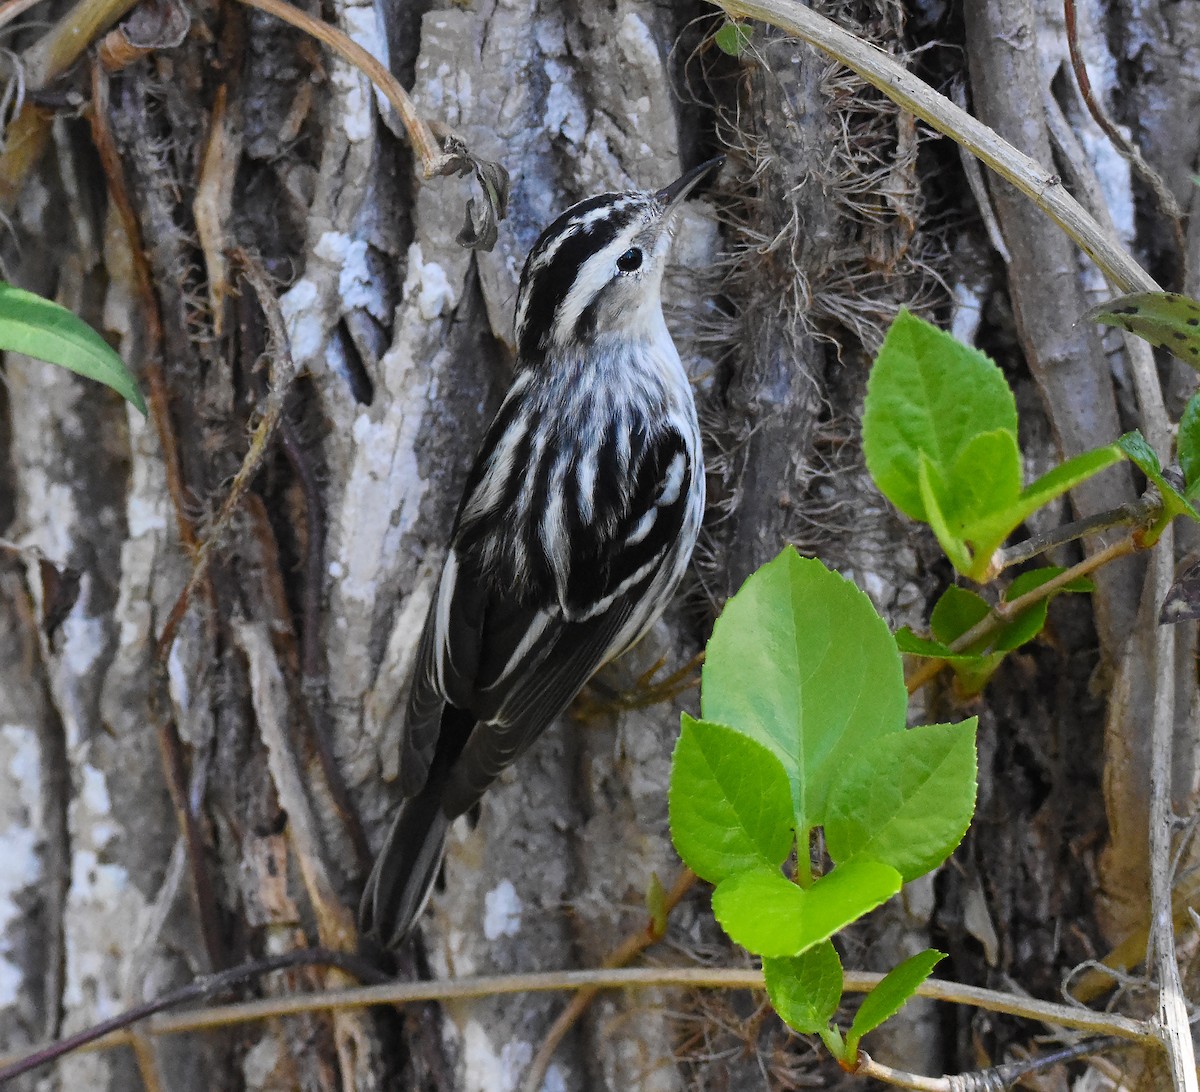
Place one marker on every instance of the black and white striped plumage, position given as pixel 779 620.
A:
pixel 576 524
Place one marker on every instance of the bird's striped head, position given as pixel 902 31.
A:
pixel 598 268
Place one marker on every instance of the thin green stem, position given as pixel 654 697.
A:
pixel 804 872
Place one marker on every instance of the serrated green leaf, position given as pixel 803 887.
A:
pixel 770 916
pixel 733 38
pixel 1164 319
pixel 761 911
pixel 42 329
pixel 908 801
pixel 886 999
pixel 800 661
pixel 730 802
pixel 805 990
pixel 928 394
pixel 1188 443
pixel 1146 459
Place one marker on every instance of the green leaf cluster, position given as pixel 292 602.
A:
pixel 803 726
pixel 959 609
pixel 940 440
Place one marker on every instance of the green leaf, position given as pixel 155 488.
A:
pixel 985 476
pixel 761 911
pixel 930 488
pixel 908 801
pixel 911 644
pixel 805 990
pixel 972 670
pixel 730 802
pixel 1056 482
pixel 800 662
pixel 886 999
pixel 928 394
pixel 1140 453
pixel 733 38
pixel 958 609
pixel 1188 443
pixel 1034 578
pixel 41 328
pixel 990 530
pixel 955 612
pixel 1165 319
pixel 1030 622
pixel 1146 459
pixel 770 916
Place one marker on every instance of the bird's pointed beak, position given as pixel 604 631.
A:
pixel 673 195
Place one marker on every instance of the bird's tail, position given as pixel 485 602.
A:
pixel 406 868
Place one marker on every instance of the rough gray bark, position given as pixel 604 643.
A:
pixel 826 221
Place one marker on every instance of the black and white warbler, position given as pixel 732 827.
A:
pixel 575 527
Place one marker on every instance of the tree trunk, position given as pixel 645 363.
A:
pixel 173 807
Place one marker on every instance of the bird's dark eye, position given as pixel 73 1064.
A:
pixel 629 261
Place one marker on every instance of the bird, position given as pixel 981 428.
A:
pixel 575 527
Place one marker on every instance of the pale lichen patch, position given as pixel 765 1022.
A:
pixel 303 320
pixel 502 908
pixel 428 287
pixel 487 1070
pixel 20 865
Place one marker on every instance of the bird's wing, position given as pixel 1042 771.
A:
pixel 515 657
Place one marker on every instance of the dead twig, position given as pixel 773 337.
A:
pixel 152 332
pixel 197 990
pixel 213 202
pixel 63 44
pixel 15 8
pixel 282 372
pixel 1095 981
pixel 1139 513
pixel 1174 1024
pixel 102 1036
pixel 880 70
pixel 1167 205
pixel 996 1077
pixel 434 160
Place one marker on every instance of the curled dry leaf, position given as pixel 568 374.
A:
pixel 1182 602
pixel 481 229
pixel 60 590
pixel 153 24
